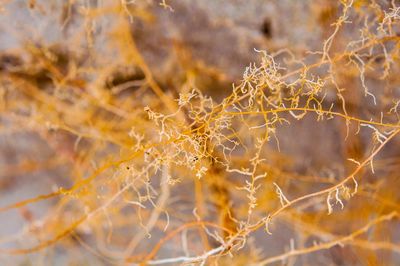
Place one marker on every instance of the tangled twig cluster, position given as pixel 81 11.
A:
pixel 160 173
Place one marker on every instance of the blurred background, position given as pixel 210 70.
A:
pixel 77 78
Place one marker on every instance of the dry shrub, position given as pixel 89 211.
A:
pixel 124 142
